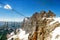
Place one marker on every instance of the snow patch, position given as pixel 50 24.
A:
pixel 21 35
pixel 56 34
pixel 57 19
pixel 52 22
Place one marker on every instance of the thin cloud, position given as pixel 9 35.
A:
pixel 7 6
pixel 0 6
pixel 11 19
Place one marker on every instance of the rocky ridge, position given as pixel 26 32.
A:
pixel 39 25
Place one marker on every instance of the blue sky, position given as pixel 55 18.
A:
pixel 28 7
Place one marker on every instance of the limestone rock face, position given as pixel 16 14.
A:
pixel 39 25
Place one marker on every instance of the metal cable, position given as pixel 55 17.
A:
pixel 14 10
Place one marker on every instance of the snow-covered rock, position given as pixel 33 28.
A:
pixel 21 35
